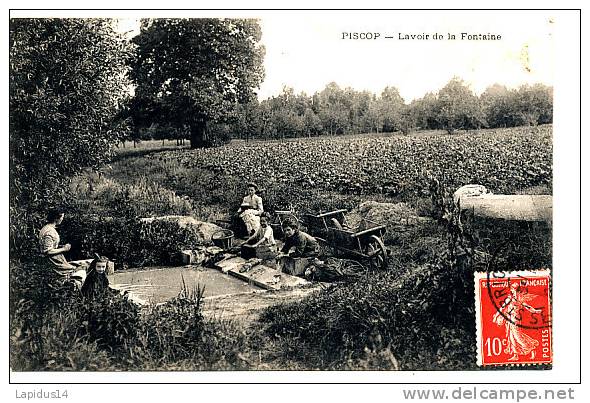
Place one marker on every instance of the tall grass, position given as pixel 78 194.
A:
pixel 53 328
pixel 95 194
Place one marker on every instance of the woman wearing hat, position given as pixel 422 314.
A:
pixel 251 209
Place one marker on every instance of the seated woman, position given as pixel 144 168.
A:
pixel 262 242
pixel 50 248
pixel 251 209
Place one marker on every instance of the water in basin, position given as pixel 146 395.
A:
pixel 159 284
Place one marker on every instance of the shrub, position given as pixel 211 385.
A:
pixel 511 245
pixel 53 326
pixel 129 241
pixel 176 331
pixel 110 320
pixel 223 344
pixel 191 185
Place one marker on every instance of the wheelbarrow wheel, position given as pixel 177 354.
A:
pixel 376 252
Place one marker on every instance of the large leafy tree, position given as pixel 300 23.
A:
pixel 374 116
pixel 333 107
pixel 424 112
pixel 248 123
pixel 527 105
pixel 496 103
pixel 288 110
pixel 67 81
pixel 360 102
pixel 392 105
pixel 533 105
pixel 458 107
pixel 195 71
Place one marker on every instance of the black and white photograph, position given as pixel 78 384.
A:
pixel 357 193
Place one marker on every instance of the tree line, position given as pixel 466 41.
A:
pixel 335 110
pixel 196 79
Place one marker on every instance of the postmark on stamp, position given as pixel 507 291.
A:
pixel 513 315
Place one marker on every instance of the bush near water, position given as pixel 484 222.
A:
pixel 131 242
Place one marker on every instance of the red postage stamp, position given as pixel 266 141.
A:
pixel 513 314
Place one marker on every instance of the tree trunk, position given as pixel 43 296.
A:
pixel 198 134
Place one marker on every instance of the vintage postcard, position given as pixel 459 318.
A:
pixel 225 194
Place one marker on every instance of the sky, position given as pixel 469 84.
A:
pixel 305 50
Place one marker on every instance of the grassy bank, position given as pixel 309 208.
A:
pixel 54 328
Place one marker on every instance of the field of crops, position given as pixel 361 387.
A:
pixel 504 160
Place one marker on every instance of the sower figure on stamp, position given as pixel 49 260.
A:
pixel 510 315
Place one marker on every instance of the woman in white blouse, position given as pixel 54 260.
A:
pixel 262 243
pixel 251 209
